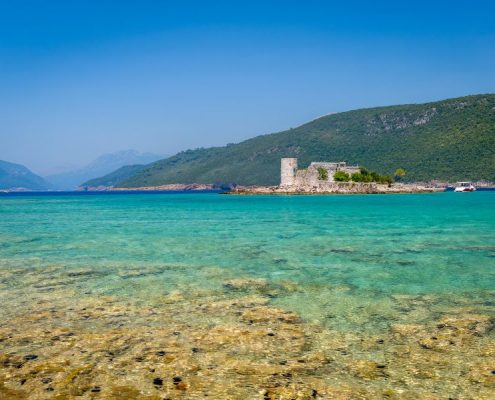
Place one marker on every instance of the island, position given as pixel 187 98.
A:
pixel 332 178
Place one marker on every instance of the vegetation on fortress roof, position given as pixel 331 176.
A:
pixel 447 140
pixel 371 176
pixel 322 174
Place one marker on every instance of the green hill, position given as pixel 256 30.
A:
pixel 13 176
pixel 113 178
pixel 449 140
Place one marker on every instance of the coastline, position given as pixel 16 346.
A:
pixel 339 188
pixel 165 188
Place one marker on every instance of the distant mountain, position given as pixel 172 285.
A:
pixel 449 140
pixel 115 177
pixel 101 166
pixel 13 176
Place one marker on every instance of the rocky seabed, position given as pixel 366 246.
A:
pixel 233 342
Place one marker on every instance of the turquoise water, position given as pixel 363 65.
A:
pixel 373 246
pixel 247 297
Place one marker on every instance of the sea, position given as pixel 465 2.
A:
pixel 210 295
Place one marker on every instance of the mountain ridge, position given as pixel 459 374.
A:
pixel 102 165
pixel 452 139
pixel 18 176
pixel 114 177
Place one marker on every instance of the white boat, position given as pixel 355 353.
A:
pixel 464 187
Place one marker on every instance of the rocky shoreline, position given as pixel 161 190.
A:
pixel 166 188
pixel 339 188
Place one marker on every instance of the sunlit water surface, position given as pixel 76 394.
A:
pixel 364 266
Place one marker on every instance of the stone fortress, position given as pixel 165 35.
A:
pixel 292 177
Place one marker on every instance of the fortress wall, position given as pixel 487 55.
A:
pixel 317 186
pixel 306 177
pixel 338 188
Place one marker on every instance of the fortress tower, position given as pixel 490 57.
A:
pixel 288 169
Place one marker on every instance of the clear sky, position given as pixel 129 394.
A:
pixel 82 78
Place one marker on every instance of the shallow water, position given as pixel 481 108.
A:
pixel 375 296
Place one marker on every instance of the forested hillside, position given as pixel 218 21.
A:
pixel 449 140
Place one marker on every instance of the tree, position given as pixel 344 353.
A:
pixel 385 179
pixel 375 176
pixel 341 176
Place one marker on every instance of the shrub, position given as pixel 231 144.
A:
pixel 357 177
pixel 370 177
pixel 360 177
pixel 322 174
pixel 399 174
pixel 341 176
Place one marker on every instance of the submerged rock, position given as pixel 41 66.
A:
pixel 471 324
pixel 483 373
pixel 173 297
pixel 367 369
pixel 269 314
pixel 406 329
pixel 246 284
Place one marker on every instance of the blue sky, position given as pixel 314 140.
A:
pixel 82 78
